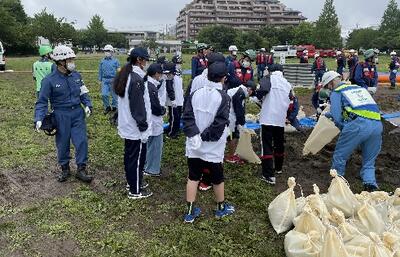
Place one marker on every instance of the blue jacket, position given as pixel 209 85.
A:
pixel 63 91
pixel 366 75
pixel 339 102
pixel 108 68
pixel 198 65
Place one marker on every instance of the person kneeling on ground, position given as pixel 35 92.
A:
pixel 67 93
pixel 237 118
pixel 274 93
pixel 356 114
pixel 206 128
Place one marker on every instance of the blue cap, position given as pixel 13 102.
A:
pixel 215 57
pixel 169 67
pixel 140 52
pixel 217 70
pixel 154 68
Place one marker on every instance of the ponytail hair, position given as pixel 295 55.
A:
pixel 121 79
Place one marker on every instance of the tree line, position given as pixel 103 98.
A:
pixel 19 32
pixel 324 33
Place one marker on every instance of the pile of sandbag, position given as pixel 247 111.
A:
pixel 338 223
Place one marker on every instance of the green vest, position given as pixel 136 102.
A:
pixel 40 70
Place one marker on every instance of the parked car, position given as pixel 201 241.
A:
pixel 2 58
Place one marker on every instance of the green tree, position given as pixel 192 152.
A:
pixel 149 43
pixel 117 40
pixel 96 33
pixel 362 38
pixel 270 34
pixel 327 28
pixel 47 25
pixel 303 34
pixel 391 18
pixel 15 9
pixel 221 37
pixel 250 40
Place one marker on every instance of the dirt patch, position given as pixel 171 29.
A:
pixel 309 170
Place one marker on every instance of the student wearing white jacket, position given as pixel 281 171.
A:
pixel 197 83
pixel 174 87
pixel 274 93
pixel 134 120
pixel 155 142
pixel 205 123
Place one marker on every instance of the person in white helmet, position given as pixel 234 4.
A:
pixel 352 63
pixel 341 62
pixel 394 67
pixel 70 101
pixel 358 117
pixel 233 51
pixel 108 69
pixel 304 57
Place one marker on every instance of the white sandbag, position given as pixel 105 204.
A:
pixel 340 196
pixel 282 210
pixel 333 245
pixel 300 203
pixel 392 242
pixel 251 118
pixel 377 248
pixel 290 129
pixel 317 204
pixel 395 198
pixel 379 200
pixel 346 229
pixel 369 220
pixel 245 148
pixel 357 246
pixel 393 224
pixel 299 244
pixel 308 221
pixel 323 133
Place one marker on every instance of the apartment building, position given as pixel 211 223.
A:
pixel 240 14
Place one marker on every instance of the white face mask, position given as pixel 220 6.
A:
pixel 178 66
pixel 234 53
pixel 71 66
pixel 107 54
pixel 246 64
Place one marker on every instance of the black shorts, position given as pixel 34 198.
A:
pixel 234 135
pixel 196 167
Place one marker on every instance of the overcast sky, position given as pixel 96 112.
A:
pixel 155 14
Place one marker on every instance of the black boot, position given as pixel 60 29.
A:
pixel 65 173
pixel 82 175
pixel 392 85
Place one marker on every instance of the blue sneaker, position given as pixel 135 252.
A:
pixel 226 211
pixel 189 218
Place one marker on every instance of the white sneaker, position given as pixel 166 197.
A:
pixel 269 180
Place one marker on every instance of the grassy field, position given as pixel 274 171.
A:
pixel 40 217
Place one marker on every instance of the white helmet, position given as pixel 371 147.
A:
pixel 262 49
pixel 130 50
pixel 329 76
pixel 305 51
pixel 338 52
pixel 233 48
pixel 393 53
pixel 272 51
pixel 109 48
pixel 316 55
pixel 352 51
pixel 62 52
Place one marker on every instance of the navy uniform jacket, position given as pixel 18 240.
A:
pixel 64 92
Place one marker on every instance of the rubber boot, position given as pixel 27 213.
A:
pixel 82 175
pixel 392 85
pixel 65 173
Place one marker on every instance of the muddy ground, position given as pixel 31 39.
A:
pixel 309 170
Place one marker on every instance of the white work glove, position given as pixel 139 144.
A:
pixel 240 128
pixel 394 71
pixel 38 125
pixel 174 104
pixel 372 90
pixel 144 137
pixel 254 99
pixel 195 142
pixel 319 110
pixel 88 112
